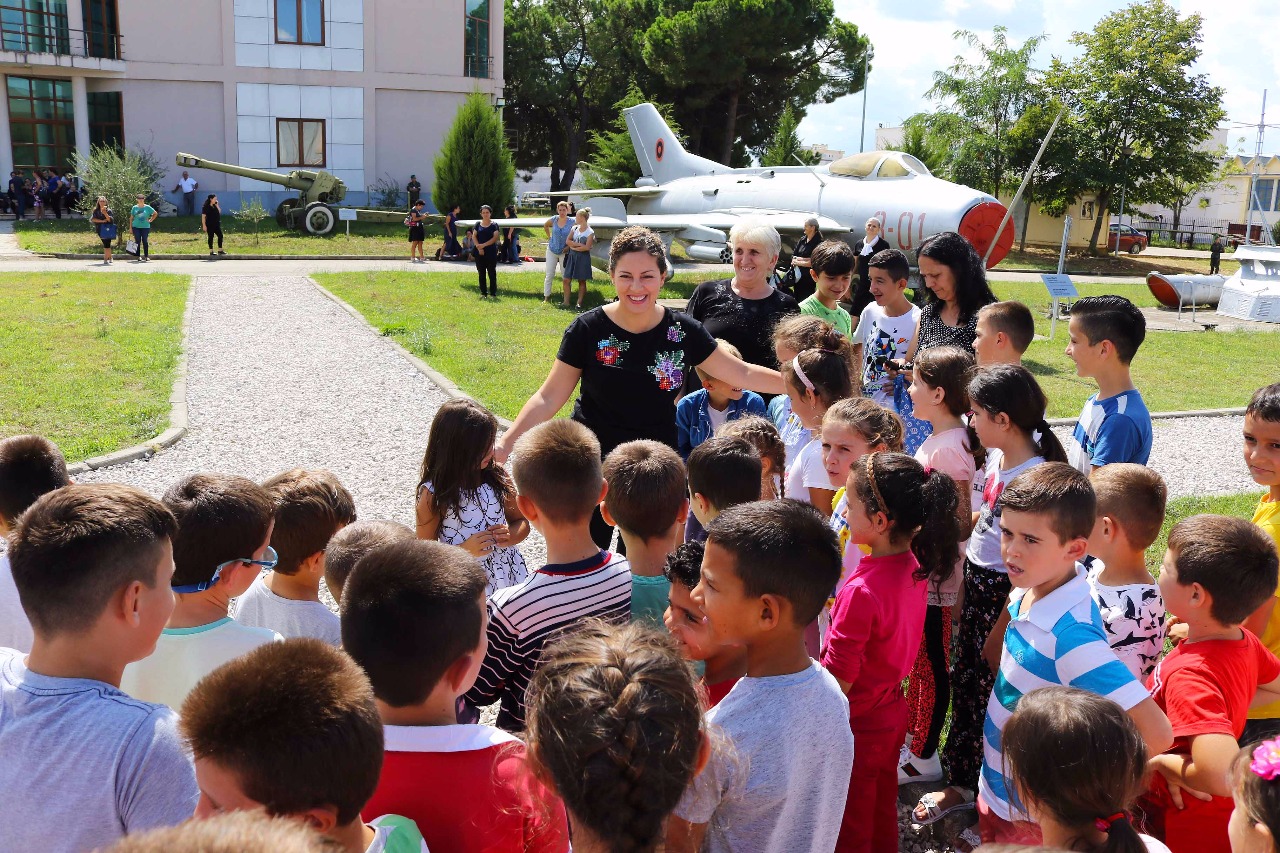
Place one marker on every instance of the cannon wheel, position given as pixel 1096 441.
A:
pixel 319 219
pixel 284 212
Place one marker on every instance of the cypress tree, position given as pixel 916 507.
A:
pixel 474 166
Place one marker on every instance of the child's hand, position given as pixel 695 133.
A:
pixel 992 649
pixel 501 535
pixel 480 544
pixel 1175 628
pixel 1171 767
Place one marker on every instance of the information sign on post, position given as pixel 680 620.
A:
pixel 1060 287
pixel 347 215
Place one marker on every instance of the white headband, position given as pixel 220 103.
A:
pixel 795 365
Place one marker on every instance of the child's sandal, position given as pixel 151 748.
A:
pixel 932 808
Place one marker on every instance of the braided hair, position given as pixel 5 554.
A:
pixel 615 722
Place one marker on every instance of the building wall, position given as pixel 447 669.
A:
pixel 343 48
pixel 401 153
pixel 258 105
pixel 167 116
pixel 178 32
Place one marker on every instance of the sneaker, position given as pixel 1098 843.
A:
pixel 211 253
pixel 916 769
pixel 220 252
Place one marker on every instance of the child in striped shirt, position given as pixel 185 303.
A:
pixel 1055 635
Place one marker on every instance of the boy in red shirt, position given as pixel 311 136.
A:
pixel 722 665
pixel 1215 573
pixel 414 617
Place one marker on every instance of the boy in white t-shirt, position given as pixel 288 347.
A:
pixel 30 466
pixel 310 507
pixel 224 527
pixel 887 327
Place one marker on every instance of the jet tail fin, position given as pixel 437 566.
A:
pixel 662 157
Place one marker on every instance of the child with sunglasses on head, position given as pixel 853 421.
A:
pixel 907 516
pixel 222 546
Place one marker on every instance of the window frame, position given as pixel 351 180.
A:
pixel 324 141
pixel 297 4
pixel 58 120
pixel 476 66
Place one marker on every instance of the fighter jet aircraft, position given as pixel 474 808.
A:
pixel 695 201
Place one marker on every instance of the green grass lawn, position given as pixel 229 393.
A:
pixel 88 359
pixel 1080 264
pixel 501 352
pixel 1241 506
pixel 181 235
pixel 497 351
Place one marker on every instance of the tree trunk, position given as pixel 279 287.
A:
pixel 1101 205
pixel 730 127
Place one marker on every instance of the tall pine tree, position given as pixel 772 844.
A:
pixel 474 166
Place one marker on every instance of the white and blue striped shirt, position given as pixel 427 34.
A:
pixel 1058 641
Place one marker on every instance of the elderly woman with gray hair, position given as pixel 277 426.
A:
pixel 743 310
pixel 799 279
pixel 863 250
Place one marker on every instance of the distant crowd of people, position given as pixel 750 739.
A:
pixel 45 190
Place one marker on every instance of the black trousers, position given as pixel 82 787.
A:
pixel 215 230
pixel 488 262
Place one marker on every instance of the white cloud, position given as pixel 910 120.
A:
pixel 912 39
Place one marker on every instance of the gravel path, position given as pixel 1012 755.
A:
pixel 280 377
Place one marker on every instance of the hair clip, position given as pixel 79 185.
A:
pixel 1266 759
pixel 1104 824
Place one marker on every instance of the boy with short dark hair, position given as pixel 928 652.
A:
pixel 30 466
pixel 700 413
pixel 647 501
pixel 766 573
pixel 1262 457
pixel 92 566
pixel 720 476
pixel 684 619
pixel 557 471
pixel 224 525
pixel 351 543
pixel 414 619
pixel 1215 573
pixel 1114 426
pixel 1131 502
pixel 310 507
pixel 1004 332
pixel 887 326
pixel 832 266
pixel 1054 635
pixel 293 728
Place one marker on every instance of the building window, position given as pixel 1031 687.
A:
pixel 101 29
pixel 106 119
pixel 299 142
pixel 300 22
pixel 34 26
pixel 476 40
pixel 41 123
pixel 1086 210
pixel 1265 190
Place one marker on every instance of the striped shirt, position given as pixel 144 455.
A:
pixel 525 617
pixel 1058 641
pixel 1115 429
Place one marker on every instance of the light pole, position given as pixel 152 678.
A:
pixel 1124 182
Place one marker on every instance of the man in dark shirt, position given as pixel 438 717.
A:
pixel 414 188
pixel 18 193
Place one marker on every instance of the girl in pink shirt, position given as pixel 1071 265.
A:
pixel 907 515
pixel 940 395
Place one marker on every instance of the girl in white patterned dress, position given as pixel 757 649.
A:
pixel 465 498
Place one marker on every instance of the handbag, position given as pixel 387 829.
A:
pixel 131 247
pixel 107 231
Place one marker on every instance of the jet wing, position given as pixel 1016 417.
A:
pixel 621 191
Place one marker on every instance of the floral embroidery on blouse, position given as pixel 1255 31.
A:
pixel 675 333
pixel 668 369
pixel 608 350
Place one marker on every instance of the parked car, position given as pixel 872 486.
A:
pixel 1132 240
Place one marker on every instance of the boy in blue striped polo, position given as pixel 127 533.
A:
pixel 1114 426
pixel 1055 635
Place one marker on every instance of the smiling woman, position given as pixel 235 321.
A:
pixel 631 357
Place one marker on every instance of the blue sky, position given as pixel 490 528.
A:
pixel 913 38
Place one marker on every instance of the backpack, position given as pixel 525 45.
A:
pixel 404 836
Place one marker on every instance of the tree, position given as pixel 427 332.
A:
pixel 252 213
pixel 474 164
pixel 979 104
pixel 614 163
pixel 732 66
pixel 922 142
pixel 120 175
pixel 785 146
pixel 1177 192
pixel 1137 116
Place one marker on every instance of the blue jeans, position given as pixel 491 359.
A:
pixel 144 247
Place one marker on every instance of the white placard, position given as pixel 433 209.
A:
pixel 347 214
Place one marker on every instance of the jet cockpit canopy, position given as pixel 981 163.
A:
pixel 879 164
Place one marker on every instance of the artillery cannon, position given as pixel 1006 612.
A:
pixel 318 192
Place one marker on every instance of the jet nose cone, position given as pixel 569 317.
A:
pixel 979 225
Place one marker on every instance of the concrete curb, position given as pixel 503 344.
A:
pixel 438 379
pixel 177 411
pixel 1155 416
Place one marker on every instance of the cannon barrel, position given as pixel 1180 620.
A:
pixel 313 186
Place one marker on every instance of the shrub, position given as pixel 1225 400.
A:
pixel 474 166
